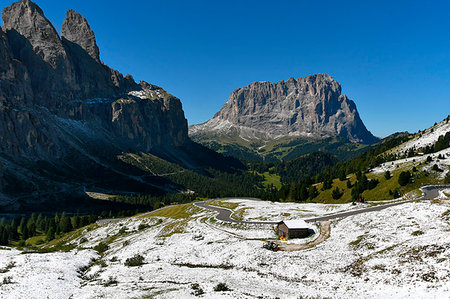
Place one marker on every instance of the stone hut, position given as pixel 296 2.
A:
pixel 290 229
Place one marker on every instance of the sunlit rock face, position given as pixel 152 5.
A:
pixel 312 106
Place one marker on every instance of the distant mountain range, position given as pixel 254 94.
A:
pixel 310 108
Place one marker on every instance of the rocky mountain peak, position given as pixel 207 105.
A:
pixel 312 106
pixel 76 29
pixel 58 101
pixel 28 20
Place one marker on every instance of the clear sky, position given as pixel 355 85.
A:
pixel 391 57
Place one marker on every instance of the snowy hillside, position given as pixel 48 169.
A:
pixel 395 253
pixel 419 162
pixel 425 138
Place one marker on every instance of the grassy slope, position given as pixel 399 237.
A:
pixel 272 179
pixel 381 191
pixel 285 148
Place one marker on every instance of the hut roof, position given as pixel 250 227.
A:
pixel 292 224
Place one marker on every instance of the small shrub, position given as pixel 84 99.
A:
pixel 142 226
pixel 8 267
pixel 7 280
pixel 197 290
pixel 114 259
pixel 387 175
pixel 83 240
pixel 123 230
pixel 101 247
pixel 447 178
pixel 436 168
pixel 111 281
pixel 221 287
pixel 126 243
pixel 101 263
pixel 135 261
pixel 417 233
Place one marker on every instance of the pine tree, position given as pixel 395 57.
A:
pixel 24 232
pixel 22 225
pixel 56 219
pixel 349 184
pixel 40 223
pixel 31 226
pixel 313 192
pixel 3 236
pixel 65 224
pixel 336 194
pixel 50 233
pixel 404 178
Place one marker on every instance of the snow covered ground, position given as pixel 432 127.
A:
pixel 398 252
pixel 427 137
pixel 252 210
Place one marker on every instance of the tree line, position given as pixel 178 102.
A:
pixel 48 226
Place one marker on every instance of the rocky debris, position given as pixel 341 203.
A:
pixel 312 106
pixel 76 29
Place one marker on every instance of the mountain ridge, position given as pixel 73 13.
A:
pixel 65 116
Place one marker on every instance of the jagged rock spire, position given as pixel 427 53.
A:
pixel 76 29
pixel 28 20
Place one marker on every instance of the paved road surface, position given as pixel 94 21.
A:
pixel 429 192
pixel 224 214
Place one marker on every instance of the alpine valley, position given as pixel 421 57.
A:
pixel 105 192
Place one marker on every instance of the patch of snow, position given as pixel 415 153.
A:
pixel 98 100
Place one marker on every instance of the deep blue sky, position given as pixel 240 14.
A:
pixel 391 57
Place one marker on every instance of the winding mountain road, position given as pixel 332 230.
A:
pixel 429 192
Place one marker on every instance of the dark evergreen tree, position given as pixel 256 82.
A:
pixel 336 194
pixel 313 192
pixel 65 224
pixel 50 233
pixel 404 178
pixel 349 184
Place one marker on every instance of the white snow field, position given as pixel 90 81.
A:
pixel 426 137
pixel 399 252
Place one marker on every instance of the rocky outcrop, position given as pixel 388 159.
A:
pixel 312 106
pixel 59 105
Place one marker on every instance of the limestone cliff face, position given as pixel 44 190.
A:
pixel 57 99
pixel 312 106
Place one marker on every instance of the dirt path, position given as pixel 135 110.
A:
pixel 324 234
